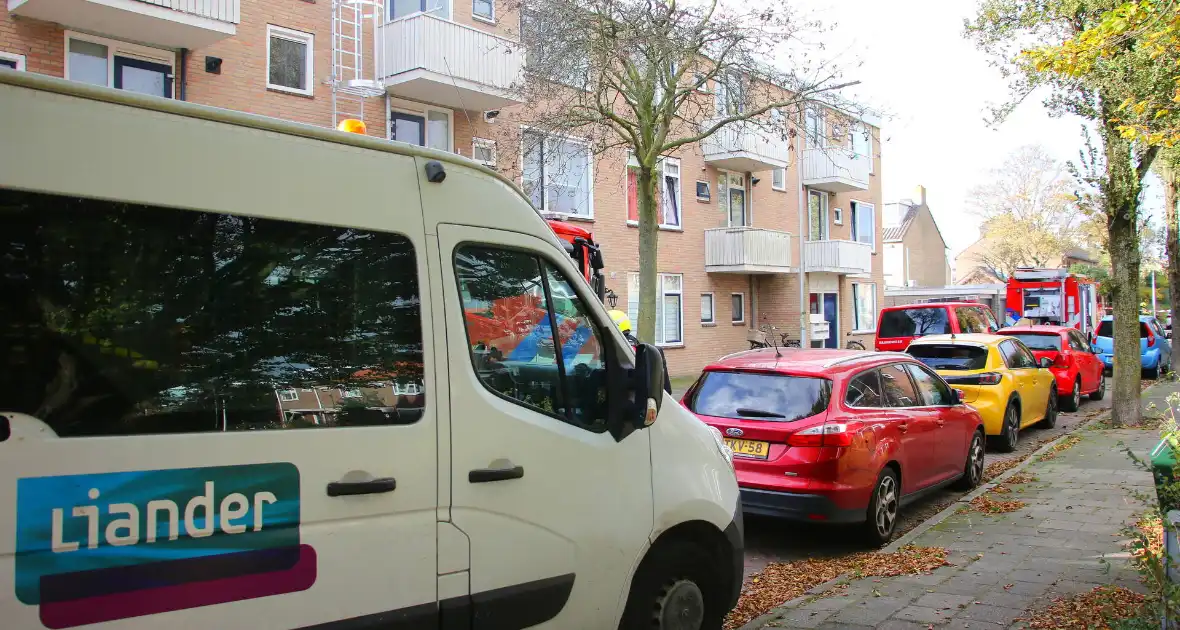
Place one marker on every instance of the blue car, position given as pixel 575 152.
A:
pixel 1155 350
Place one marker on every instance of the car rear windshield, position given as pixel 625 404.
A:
pixel 748 396
pixel 1106 329
pixel 950 357
pixel 1042 341
pixel 909 322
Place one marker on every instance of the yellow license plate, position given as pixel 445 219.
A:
pixel 749 448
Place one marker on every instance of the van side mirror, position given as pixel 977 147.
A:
pixel 648 384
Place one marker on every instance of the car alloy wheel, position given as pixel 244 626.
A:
pixel 1100 393
pixel 1075 400
pixel 975 471
pixel 886 515
pixel 681 606
pixel 1011 432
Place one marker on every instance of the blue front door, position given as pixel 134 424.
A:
pixel 832 315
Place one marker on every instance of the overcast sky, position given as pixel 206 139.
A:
pixel 934 88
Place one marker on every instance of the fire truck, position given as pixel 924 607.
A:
pixel 1053 296
pixel 579 244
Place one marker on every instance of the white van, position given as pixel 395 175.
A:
pixel 256 374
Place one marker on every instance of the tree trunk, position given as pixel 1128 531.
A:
pixel 649 232
pixel 1121 197
pixel 1172 231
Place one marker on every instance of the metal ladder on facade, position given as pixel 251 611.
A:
pixel 352 80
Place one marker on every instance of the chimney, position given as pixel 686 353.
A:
pixel 921 195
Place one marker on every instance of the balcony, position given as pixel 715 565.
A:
pixel 437 61
pixel 744 147
pixel 747 250
pixel 835 170
pixel 167 23
pixel 846 257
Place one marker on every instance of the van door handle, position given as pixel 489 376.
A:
pixel 372 486
pixel 484 475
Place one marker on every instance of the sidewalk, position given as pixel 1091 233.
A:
pixel 1006 564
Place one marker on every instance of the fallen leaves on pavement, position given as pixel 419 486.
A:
pixel 1021 477
pixel 986 504
pixel 995 469
pixel 1065 444
pixel 1094 609
pixel 781 582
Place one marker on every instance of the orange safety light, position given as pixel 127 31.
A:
pixel 352 125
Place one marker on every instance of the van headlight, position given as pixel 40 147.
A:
pixel 726 452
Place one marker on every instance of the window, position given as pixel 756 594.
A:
pixel 971 320
pixel 288 395
pixel 864 302
pixel 669 306
pixel 407 389
pixel 1025 356
pixel 813 129
pixel 778 179
pixel 483 151
pixel 949 357
pixel 738 300
pixel 910 322
pixel 730 95
pixel 203 335
pixel 1015 355
pixel 404 8
pixel 933 389
pixel 12 60
pixel 864 221
pixel 1077 341
pixel 424 127
pixel 899 390
pixel 556 174
pixel 860 141
pixel 514 302
pixel 484 10
pixel 864 390
pixel 668 197
pixel 707 315
pixel 120 65
pixel 702 191
pixel 817 215
pixel 731 191
pixel 289 60
pixel 838 216
pixel 768 397
pixel 1040 341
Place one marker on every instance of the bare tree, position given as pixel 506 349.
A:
pixel 655 76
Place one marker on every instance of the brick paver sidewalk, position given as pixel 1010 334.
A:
pixel 1008 563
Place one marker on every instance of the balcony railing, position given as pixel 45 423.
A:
pixel 847 257
pixel 747 250
pixel 745 147
pixel 835 170
pixel 438 61
pixel 166 23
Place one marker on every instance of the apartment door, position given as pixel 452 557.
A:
pixel 407 128
pixel 733 198
pixel 817 219
pixel 828 305
pixel 145 77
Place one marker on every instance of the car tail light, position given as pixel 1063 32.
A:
pixel 833 434
pixel 990 378
pixel 1150 338
pixel 1061 360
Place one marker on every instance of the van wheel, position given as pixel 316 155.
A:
pixel 677 587
pixel 973 469
pixel 1005 442
pixel 1099 393
pixel 881 518
pixel 1050 419
pixel 1075 397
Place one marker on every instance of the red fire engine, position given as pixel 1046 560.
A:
pixel 1053 296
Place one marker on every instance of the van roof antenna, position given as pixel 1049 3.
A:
pixel 457 92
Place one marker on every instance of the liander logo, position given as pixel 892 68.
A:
pixel 108 546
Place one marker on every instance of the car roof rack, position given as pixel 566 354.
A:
pixel 864 355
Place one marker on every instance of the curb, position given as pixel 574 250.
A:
pixel 908 538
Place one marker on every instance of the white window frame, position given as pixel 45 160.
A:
pixel 431 12
pixel 855 207
pixel 868 134
pixel 743 302
pixel 782 186
pixel 660 312
pixel 118 48
pixel 422 111
pixel 490 19
pixel 723 193
pixel 589 216
pixel 838 216
pixel 712 309
pixel 20 59
pixel 664 167
pixel 821 128
pixel 308 39
pixel 484 143
pixel 288 395
pixel 633 285
pixel 857 325
pixel 825 231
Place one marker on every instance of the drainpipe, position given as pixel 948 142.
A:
pixel 804 322
pixel 182 80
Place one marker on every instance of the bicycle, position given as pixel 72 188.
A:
pixel 854 345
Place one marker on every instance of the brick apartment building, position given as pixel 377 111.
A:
pixel 730 243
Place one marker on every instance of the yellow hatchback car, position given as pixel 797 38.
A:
pixel 998 376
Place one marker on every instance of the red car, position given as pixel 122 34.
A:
pixel 1075 366
pixel 838 436
pixel 898 325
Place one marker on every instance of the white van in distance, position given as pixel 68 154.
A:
pixel 256 374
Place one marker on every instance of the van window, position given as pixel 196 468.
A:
pixel 512 302
pixel 747 396
pixel 908 322
pixel 126 319
pixel 949 357
pixel 971 320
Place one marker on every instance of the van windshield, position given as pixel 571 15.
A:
pixel 747 396
pixel 1040 341
pixel 949 357
pixel 911 322
pixel 1106 329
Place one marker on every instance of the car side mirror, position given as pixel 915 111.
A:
pixel 1045 363
pixel 1093 349
pixel 956 396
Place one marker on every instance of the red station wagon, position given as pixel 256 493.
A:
pixel 838 436
pixel 1078 371
pixel 897 326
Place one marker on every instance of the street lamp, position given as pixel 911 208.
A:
pixel 612 298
